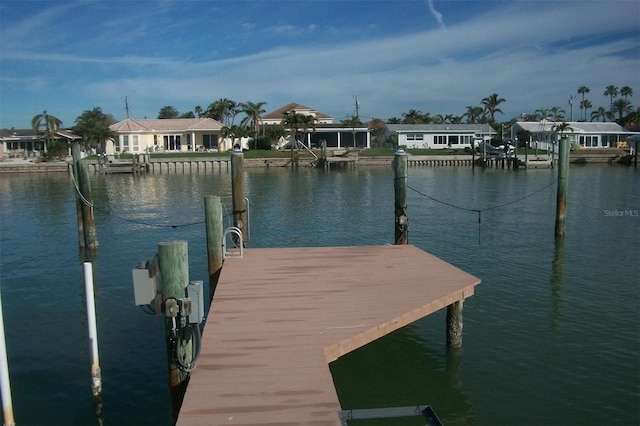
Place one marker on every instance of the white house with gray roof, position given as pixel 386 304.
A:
pixel 585 135
pixel 439 136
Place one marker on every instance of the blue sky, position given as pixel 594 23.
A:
pixel 434 56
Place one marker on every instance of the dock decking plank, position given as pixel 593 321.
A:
pixel 279 317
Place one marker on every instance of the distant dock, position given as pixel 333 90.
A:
pixel 280 316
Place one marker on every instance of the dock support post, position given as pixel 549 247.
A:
pixel 174 271
pixel 215 232
pixel 75 153
pixel 87 237
pixel 237 193
pixel 563 183
pixel 400 161
pixel 454 325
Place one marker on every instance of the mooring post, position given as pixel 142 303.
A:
pixel 96 375
pixel 237 192
pixel 563 184
pixel 5 387
pixel 454 325
pixel 75 153
pixel 87 207
pixel 215 234
pixel 400 162
pixel 174 270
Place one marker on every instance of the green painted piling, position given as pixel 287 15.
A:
pixel 174 270
pixel 237 193
pixel 215 231
pixel 563 184
pixel 400 161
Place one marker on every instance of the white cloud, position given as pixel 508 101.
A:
pixel 521 53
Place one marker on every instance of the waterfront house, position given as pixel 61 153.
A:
pixel 168 135
pixel 439 136
pixel 29 142
pixel 587 135
pixel 333 135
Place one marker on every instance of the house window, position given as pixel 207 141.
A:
pixel 172 142
pixel 125 143
pixel 440 139
pixel 453 140
pixel 210 141
pixel 135 143
pixel 466 139
pixel 589 141
pixel 414 137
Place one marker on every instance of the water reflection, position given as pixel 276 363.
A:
pixel 557 282
pixel 401 369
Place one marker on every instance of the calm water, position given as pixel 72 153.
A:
pixel 552 335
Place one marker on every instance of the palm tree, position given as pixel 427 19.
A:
pixel 491 106
pixel 601 112
pixel 415 117
pixel 93 126
pixel 252 119
pixel 582 90
pixel 307 122
pixel 352 122
pixel 198 111
pixel 474 114
pixel 622 107
pixel 557 113
pixel 561 128
pixel 612 92
pixel 223 110
pixel 541 114
pixel 45 125
pixel 292 120
pixel 586 105
pixel 626 91
pixel 234 132
pixel 438 119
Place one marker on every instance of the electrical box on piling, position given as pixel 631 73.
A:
pixel 145 284
pixel 195 293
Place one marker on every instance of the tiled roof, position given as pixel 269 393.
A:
pixel 301 109
pixel 166 125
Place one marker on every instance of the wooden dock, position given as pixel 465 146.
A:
pixel 280 316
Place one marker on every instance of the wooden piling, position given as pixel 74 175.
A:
pixel 454 325
pixel 87 207
pixel 563 184
pixel 75 153
pixel 237 193
pixel 400 187
pixel 87 237
pixel 215 230
pixel 174 271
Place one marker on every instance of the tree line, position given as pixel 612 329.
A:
pixel 93 125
